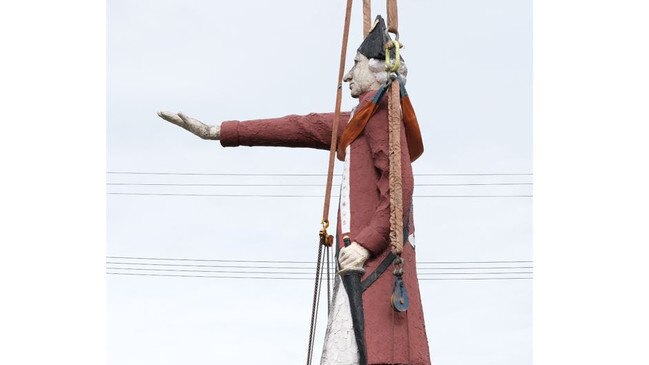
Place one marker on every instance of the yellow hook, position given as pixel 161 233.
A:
pixel 392 66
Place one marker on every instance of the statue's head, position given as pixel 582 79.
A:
pixel 368 72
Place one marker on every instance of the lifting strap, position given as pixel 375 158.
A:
pixel 367 17
pixel 393 17
pixel 334 134
pixel 325 238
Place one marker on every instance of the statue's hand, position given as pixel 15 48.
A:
pixel 193 125
pixel 352 258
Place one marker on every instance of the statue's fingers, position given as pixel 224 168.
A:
pixel 345 261
pixel 171 117
pixel 341 261
pixel 188 120
pixel 196 126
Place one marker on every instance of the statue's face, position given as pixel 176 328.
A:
pixel 361 79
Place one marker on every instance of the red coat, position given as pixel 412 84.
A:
pixel 391 337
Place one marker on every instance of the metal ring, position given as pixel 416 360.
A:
pixel 392 66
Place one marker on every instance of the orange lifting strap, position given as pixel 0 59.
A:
pixel 326 240
pixel 367 17
pixel 393 17
pixel 394 130
pixel 334 134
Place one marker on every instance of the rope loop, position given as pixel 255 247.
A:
pixel 398 266
pixel 398 272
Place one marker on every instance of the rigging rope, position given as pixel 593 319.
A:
pixel 394 133
pixel 396 194
pixel 326 239
pixel 316 301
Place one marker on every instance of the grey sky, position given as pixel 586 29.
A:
pixel 470 84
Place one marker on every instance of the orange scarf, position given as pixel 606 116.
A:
pixel 364 112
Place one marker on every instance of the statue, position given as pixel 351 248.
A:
pixel 383 335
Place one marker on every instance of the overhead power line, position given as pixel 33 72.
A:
pixel 306 272
pixel 301 267
pixel 292 278
pixel 214 266
pixel 296 267
pixel 214 271
pixel 302 262
pixel 292 174
pixel 302 185
pixel 211 260
pixel 306 196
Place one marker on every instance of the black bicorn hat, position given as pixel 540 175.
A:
pixel 373 45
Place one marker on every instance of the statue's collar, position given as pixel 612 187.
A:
pixel 366 96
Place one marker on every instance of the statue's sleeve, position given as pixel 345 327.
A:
pixel 375 236
pixel 310 131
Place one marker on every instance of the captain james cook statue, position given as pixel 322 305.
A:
pixel 389 336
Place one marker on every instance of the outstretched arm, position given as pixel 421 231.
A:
pixel 310 131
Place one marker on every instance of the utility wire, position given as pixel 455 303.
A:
pixel 211 260
pixel 297 267
pixel 304 185
pixel 214 266
pixel 309 196
pixel 215 271
pixel 308 273
pixel 293 174
pixel 474 262
pixel 292 278
pixel 311 268
pixel 301 262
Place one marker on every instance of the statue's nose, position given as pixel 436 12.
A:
pixel 348 77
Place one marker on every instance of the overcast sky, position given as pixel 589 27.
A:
pixel 470 84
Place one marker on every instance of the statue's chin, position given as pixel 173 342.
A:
pixel 355 93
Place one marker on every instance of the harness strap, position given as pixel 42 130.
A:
pixel 371 278
pixel 388 260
